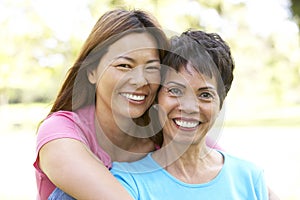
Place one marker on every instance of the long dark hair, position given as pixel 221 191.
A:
pixel 76 91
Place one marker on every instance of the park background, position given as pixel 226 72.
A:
pixel 40 40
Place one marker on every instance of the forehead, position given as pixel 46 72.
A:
pixel 132 42
pixel 188 76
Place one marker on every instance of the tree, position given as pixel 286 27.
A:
pixel 295 7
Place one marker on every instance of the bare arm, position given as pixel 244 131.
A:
pixel 75 170
pixel 272 195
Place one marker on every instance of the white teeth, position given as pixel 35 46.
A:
pixel 133 97
pixel 186 124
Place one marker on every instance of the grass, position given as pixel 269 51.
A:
pixel 27 116
pixel 17 117
pixel 291 121
pixel 286 116
pixel 278 153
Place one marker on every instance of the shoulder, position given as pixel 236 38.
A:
pixel 66 124
pixel 245 176
pixel 242 167
pixel 66 119
pixel 84 114
pixel 57 120
pixel 235 161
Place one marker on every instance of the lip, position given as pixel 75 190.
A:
pixel 186 124
pixel 133 97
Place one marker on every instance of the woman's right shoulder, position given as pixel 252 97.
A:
pixel 64 117
pixel 66 124
pixel 57 125
pixel 58 118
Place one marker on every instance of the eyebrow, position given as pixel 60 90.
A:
pixel 184 86
pixel 207 88
pixel 176 83
pixel 132 60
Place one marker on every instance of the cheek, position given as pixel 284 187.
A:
pixel 161 108
pixel 162 116
pixel 154 84
pixel 166 105
pixel 154 89
pixel 210 111
pixel 153 78
pixel 106 86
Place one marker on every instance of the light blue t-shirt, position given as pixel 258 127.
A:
pixel 237 180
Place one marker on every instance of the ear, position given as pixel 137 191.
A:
pixel 92 75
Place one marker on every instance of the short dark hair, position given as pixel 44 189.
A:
pixel 208 53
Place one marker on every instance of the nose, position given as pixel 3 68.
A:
pixel 189 104
pixel 138 77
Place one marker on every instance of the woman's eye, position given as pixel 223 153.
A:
pixel 175 92
pixel 124 66
pixel 206 96
pixel 153 68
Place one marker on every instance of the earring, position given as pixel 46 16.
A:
pixel 155 106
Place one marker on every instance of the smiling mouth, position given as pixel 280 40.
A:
pixel 186 124
pixel 133 97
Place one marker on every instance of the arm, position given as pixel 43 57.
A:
pixel 272 195
pixel 121 173
pixel 74 169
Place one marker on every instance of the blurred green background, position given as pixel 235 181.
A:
pixel 40 40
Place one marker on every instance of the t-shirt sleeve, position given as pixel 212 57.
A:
pixel 63 125
pixel 59 125
pixel 125 178
pixel 261 187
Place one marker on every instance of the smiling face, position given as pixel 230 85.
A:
pixel 188 105
pixel 127 77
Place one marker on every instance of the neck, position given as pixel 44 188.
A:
pixel 172 153
pixel 119 143
pixel 197 164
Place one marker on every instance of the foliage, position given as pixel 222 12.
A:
pixel 34 55
pixel 295 7
pixel 31 56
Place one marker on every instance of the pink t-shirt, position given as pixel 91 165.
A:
pixel 77 125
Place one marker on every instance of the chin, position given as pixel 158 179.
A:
pixel 136 113
pixel 189 140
